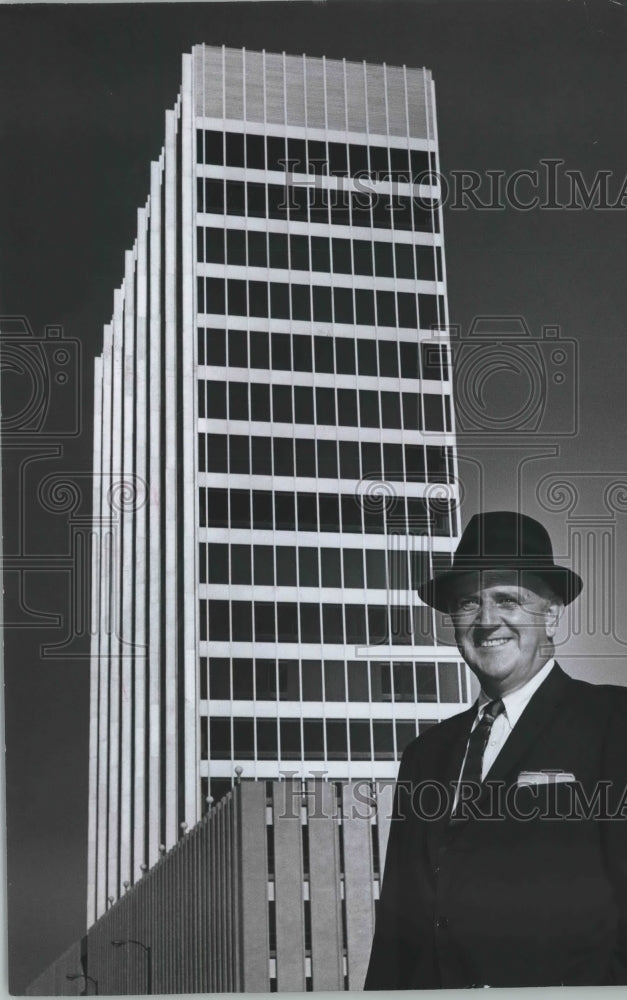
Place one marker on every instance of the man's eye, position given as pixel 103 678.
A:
pixel 508 602
pixel 467 605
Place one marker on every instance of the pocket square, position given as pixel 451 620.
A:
pixel 545 777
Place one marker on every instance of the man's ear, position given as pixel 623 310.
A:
pixel 552 615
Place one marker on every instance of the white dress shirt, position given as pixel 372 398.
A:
pixel 514 703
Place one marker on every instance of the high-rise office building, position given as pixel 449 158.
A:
pixel 274 451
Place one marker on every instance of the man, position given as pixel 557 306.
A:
pixel 501 869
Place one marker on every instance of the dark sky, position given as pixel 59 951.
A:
pixel 84 89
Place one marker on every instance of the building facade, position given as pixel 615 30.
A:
pixel 272 890
pixel 274 452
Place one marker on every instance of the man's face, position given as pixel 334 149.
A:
pixel 504 630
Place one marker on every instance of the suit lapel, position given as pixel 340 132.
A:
pixel 535 717
pixel 448 768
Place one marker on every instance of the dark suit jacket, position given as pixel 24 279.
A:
pixel 511 901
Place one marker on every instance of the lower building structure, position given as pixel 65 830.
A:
pixel 274 890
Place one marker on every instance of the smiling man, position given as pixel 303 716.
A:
pixel 507 857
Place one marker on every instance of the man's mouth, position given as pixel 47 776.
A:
pixel 491 643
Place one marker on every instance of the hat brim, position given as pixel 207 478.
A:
pixel 563 582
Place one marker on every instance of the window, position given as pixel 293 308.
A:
pixel 259 401
pixel 262 510
pixel 355 623
pixel 333 629
pixel 282 403
pixel 299 251
pixel 344 356
pixel 368 408
pixel 218 560
pixel 341 257
pixel 238 401
pixel 219 678
pixel 283 456
pixel 448 678
pixel 305 457
pixel 214 147
pixel 331 575
pixel 334 686
pixel 280 302
pixel 278 250
pixel 277 153
pixel 337 743
pixel 390 409
pixel 259 350
pixel 426 689
pixel 309 622
pixel 320 254
pixel 235 246
pixel 360 740
pixel 303 404
pixel 405 733
pixel 239 463
pixel 234 149
pixel 257 251
pixel 267 744
pixel 242 679
pixel 264 565
pixel 434 413
pixel 367 357
pixel 364 306
pixel 258 298
pixel 351 514
pixel 312 680
pixel 325 406
pixel 323 354
pixel 403 674
pixel 308 567
pixel 281 352
pixel 376 568
pixel 347 407
pixel 349 460
pixel 285 566
pixel 386 308
pixel 357 680
pixel 313 738
pixel 220 739
pixel 265 627
pixel 255 152
pixel 265 679
pixel 290 739
pixel 329 513
pixel 302 353
pixel 343 305
pixel 327 458
pixel 377 624
pixel 240 564
pixel 216 453
pixel 353 561
pixel 301 304
pixel 383 738
pixel 284 511
pixel 388 358
pixel 217 512
pixel 287 631
pixel 307 507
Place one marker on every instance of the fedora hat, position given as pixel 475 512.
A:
pixel 505 540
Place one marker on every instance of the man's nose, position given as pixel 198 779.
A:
pixel 487 614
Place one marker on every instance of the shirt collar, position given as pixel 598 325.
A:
pixel 516 702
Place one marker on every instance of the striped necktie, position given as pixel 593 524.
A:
pixel 473 764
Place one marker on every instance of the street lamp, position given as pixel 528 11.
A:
pixel 83 975
pixel 147 952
